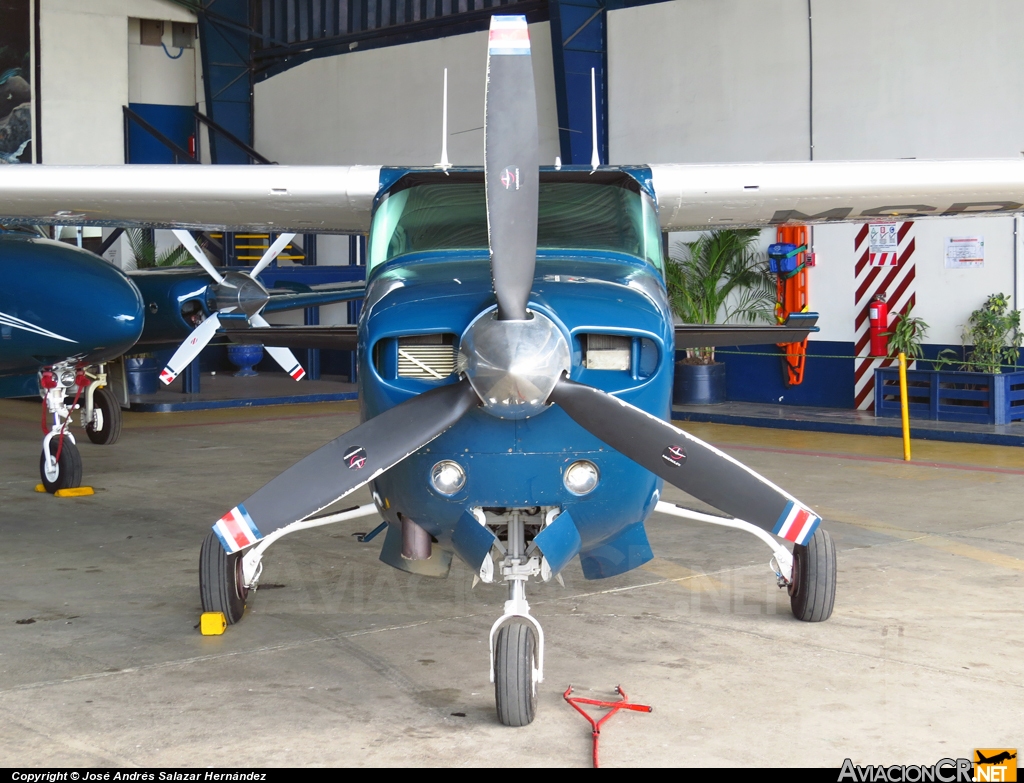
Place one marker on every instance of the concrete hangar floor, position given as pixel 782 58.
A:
pixel 342 661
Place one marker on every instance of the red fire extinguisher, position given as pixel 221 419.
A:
pixel 878 315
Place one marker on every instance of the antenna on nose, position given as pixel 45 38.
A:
pixel 444 165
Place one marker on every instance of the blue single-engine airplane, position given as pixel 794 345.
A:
pixel 515 348
pixel 65 313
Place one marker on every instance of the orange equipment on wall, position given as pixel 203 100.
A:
pixel 791 297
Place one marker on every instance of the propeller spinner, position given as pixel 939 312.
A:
pixel 234 292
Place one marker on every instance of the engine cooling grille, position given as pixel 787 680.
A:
pixel 429 356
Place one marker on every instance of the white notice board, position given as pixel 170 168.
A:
pixel 965 252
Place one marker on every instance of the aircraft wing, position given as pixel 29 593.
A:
pixel 311 296
pixel 796 329
pixel 341 338
pixel 702 196
pixel 308 199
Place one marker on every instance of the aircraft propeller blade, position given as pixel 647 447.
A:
pixel 272 252
pixel 511 164
pixel 345 464
pixel 686 462
pixel 190 349
pixel 282 356
pixel 189 243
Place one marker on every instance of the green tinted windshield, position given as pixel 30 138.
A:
pixel 449 214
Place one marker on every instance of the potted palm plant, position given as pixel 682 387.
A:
pixel 718 278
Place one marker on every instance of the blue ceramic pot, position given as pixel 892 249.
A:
pixel 143 374
pixel 699 384
pixel 244 357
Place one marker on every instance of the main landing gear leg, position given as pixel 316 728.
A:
pixel 808 573
pixel 516 639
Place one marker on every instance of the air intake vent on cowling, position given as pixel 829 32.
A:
pixel 429 356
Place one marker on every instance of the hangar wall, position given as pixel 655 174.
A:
pixel 383 106
pixel 85 75
pixel 691 81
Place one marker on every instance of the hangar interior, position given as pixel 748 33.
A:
pixel 342 661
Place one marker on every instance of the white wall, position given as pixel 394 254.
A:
pixel 84 66
pixel 383 106
pixel 696 81
pixel 154 76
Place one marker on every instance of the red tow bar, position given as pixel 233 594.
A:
pixel 612 706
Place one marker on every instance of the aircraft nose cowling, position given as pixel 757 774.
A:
pixel 95 304
pixel 119 305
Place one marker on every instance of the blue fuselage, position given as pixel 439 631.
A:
pixel 520 464
pixel 58 302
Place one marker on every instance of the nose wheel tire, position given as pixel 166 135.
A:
pixel 67 472
pixel 514 660
pixel 105 428
pixel 221 586
pixel 812 593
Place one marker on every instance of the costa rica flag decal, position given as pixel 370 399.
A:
pixel 796 524
pixel 236 530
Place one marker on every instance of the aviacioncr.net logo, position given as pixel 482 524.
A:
pixel 942 771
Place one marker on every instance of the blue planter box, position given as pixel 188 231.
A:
pixel 978 397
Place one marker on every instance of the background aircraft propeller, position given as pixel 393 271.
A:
pixel 514 361
pixel 235 291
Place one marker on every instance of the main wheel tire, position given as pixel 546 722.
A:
pixel 514 660
pixel 109 418
pixel 221 584
pixel 68 470
pixel 812 593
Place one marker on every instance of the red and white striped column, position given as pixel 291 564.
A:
pixel 879 270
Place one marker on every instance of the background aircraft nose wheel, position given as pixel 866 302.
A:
pixel 67 472
pixel 812 593
pixel 105 428
pixel 515 692
pixel 221 586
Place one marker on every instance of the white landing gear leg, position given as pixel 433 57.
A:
pixel 60 464
pixel 225 581
pixel 808 573
pixel 516 639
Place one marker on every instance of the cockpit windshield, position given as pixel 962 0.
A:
pixel 603 211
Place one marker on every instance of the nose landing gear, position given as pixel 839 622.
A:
pixel 517 640
pixel 60 465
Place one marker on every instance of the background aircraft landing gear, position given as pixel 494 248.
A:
pixel 221 583
pixel 64 472
pixel 105 426
pixel 812 592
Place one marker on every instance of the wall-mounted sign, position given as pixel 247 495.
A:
pixel 883 242
pixel 965 252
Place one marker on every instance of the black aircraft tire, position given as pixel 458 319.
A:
pixel 69 466
pixel 105 401
pixel 514 654
pixel 813 591
pixel 220 580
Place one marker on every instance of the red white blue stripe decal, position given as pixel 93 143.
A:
pixel 796 524
pixel 236 530
pixel 167 376
pixel 297 372
pixel 509 35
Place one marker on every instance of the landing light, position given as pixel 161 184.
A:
pixel 581 477
pixel 447 477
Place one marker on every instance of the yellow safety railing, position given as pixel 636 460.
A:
pixel 257 245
